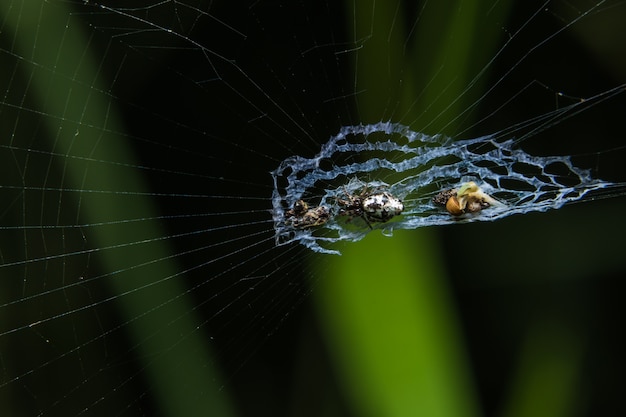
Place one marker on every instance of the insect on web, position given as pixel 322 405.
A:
pixel 415 167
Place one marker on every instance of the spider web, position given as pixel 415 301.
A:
pixel 426 165
pixel 138 253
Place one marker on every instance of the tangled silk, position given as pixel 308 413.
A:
pixel 415 167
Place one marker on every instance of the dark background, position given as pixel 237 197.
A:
pixel 204 128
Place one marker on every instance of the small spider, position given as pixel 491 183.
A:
pixel 469 198
pixel 372 206
pixel 303 216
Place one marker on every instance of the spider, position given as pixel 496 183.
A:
pixel 303 216
pixel 372 206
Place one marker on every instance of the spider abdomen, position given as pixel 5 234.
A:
pixel 381 207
